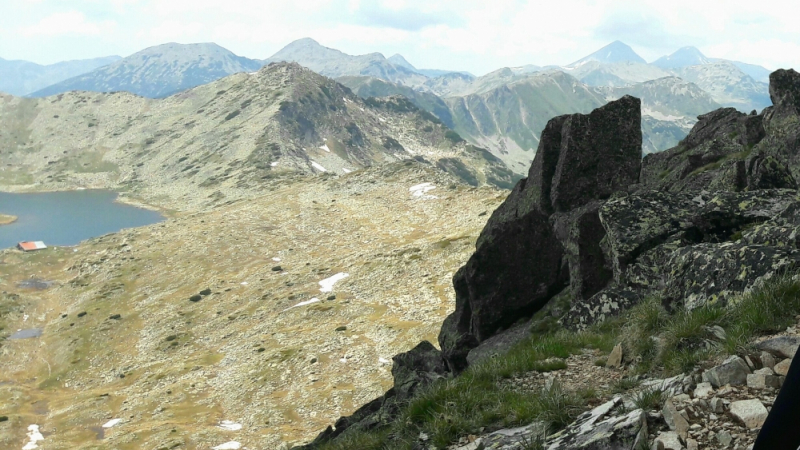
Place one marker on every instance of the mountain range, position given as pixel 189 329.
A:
pixel 502 111
pixel 24 77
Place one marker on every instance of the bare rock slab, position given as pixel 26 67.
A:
pixel 604 428
pixel 751 413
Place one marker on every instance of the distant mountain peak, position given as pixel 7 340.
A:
pixel 683 57
pixel 616 51
pixel 398 60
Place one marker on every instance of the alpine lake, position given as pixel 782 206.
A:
pixel 67 218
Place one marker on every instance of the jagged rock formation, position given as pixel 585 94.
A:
pixel 587 217
pixel 520 257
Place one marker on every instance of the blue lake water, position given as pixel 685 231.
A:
pixel 66 218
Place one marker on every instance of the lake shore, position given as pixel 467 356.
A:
pixel 6 219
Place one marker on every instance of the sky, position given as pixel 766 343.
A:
pixel 472 35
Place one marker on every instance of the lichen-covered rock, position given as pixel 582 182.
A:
pixel 607 303
pixel 606 427
pixel 707 274
pixel 767 172
pixel 639 222
pixel 519 260
pixel 784 91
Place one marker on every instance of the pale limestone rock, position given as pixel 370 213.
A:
pixel 675 420
pixel 668 440
pixel 703 390
pixel 782 368
pixel 751 413
pixel 615 358
pixel 767 360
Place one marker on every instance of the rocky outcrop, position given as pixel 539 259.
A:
pixel 526 255
pixel 411 371
pixel 703 223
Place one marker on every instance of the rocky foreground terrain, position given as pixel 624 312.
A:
pixel 690 253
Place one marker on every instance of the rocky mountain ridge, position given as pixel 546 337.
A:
pixel 221 141
pixel 24 77
pixel 599 225
pixel 158 71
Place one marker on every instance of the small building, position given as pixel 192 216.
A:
pixel 29 246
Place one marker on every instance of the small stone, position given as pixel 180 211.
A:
pixel 703 390
pixel 81 314
pixel 277 269
pixel 615 358
pixel 724 438
pixel 761 381
pixel 733 371
pixel 675 420
pixel 717 406
pixel 767 360
pixel 205 292
pixel 331 297
pixel 195 298
pixel 691 444
pixel 749 362
pixel 668 440
pixel 341 328
pixel 3 418
pixel 681 398
pixel 782 368
pixel 765 371
pixel 115 317
pixel 751 413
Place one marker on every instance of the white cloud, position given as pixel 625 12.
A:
pixel 71 22
pixel 473 35
pixel 173 30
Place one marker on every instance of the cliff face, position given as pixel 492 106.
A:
pixel 712 218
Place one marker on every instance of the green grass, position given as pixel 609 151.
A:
pixel 654 341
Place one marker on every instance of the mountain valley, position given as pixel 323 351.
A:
pixel 327 216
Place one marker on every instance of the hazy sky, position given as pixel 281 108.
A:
pixel 474 35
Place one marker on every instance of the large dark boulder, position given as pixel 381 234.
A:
pixel 581 233
pixel 417 368
pixel 784 91
pixel 600 154
pixel 514 272
pixel 520 262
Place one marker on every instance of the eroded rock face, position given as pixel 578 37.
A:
pixel 515 271
pixel 600 154
pixel 525 255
